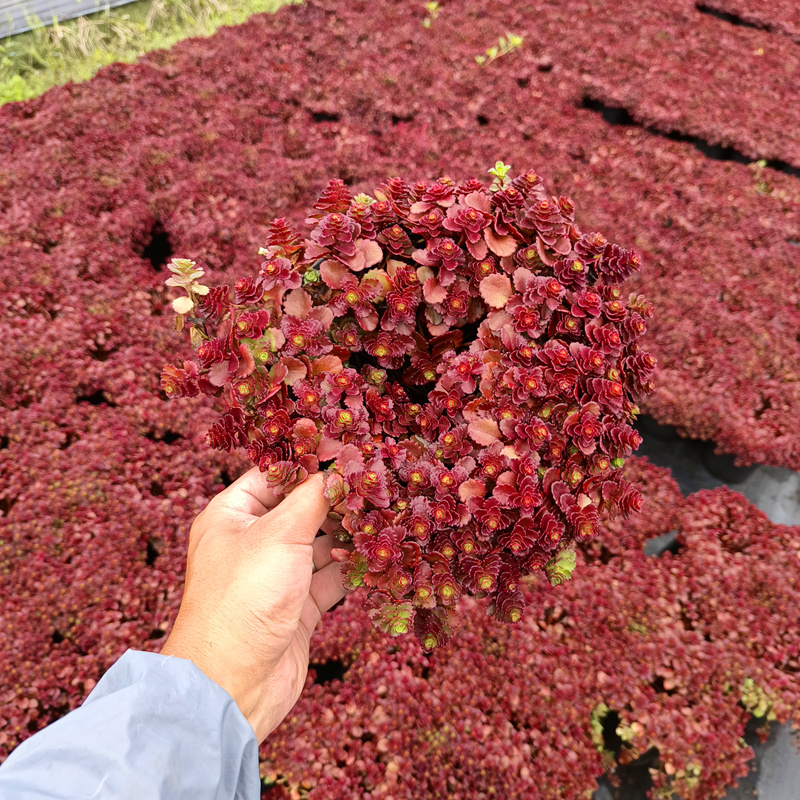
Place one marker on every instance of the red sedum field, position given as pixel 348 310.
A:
pixel 100 477
pixel 673 655
pixel 463 361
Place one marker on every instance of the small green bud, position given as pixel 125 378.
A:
pixel 500 170
pixel 561 566
pixel 400 627
pixel 183 266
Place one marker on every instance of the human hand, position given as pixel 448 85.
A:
pixel 251 602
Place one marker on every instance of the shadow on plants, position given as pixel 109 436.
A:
pixel 658 686
pixel 167 437
pixel 613 115
pixel 398 118
pixel 99 352
pixel 6 504
pixel 726 16
pixel 154 547
pixel 225 478
pixel 69 440
pixel 611 739
pixel 617 115
pixel 159 249
pixel 328 671
pixel 325 116
pixel 96 398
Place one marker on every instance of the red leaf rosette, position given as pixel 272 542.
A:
pixel 460 360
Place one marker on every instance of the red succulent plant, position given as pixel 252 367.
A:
pixel 461 363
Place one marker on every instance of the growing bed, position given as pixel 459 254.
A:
pixel 191 153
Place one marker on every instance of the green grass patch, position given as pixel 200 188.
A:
pixel 74 50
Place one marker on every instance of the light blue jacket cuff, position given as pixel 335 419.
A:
pixel 154 728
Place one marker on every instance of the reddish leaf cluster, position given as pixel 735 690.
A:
pixel 463 361
pixel 211 179
pixel 708 638
pixel 99 180
pixel 93 542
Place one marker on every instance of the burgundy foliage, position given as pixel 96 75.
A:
pixel 720 237
pixel 714 80
pixel 193 151
pixel 464 385
pixel 517 710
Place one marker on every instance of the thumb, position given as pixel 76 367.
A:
pixel 299 516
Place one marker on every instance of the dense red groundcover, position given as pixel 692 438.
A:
pixel 209 140
pixel 192 152
pixel 517 711
pixel 779 16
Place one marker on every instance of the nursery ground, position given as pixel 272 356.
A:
pixel 674 131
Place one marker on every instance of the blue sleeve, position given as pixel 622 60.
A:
pixel 154 728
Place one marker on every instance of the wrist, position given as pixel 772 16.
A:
pixel 248 691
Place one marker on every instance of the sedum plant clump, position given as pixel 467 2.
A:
pixel 462 362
